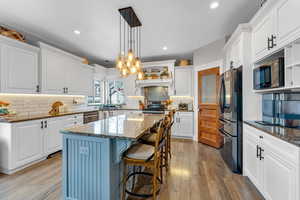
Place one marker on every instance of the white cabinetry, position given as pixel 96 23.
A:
pixel 287 21
pixel 271 164
pixel 183 81
pixel 25 143
pixel 64 73
pixel 261 37
pixel 183 125
pixel 19 67
pixel 276 27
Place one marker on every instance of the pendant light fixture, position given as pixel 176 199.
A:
pixel 129 59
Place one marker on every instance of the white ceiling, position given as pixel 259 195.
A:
pixel 181 25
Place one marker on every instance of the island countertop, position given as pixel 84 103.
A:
pixel 124 126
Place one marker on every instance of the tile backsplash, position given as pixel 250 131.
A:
pixel 41 104
pixel 177 100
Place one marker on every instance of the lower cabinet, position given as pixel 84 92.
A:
pixel 183 125
pixel 25 143
pixel 272 165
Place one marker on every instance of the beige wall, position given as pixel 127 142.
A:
pixel 209 53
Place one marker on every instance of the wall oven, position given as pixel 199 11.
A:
pixel 269 75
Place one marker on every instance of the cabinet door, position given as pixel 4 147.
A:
pixel 19 70
pixel 186 124
pixel 279 177
pixel 252 164
pixel 54 72
pixel 52 135
pixel 183 82
pixel 80 79
pixel 28 142
pixel 236 51
pixel 261 33
pixel 287 23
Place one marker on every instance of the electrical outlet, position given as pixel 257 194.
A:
pixel 84 150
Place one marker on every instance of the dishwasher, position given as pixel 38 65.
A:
pixel 90 116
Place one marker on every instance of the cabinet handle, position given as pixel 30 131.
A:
pixel 269 41
pixel 257 151
pixel 42 124
pixel 46 125
pixel 260 154
pixel 273 37
pixel 261 137
pixel 64 90
pixel 67 89
pixel 37 88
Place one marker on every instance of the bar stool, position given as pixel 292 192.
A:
pixel 151 137
pixel 147 156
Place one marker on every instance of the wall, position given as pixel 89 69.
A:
pixel 209 53
pixel 24 104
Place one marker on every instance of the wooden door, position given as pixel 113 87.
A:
pixel 208 114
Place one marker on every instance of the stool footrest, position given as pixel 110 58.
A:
pixel 137 194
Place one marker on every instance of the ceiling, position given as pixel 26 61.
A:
pixel 181 25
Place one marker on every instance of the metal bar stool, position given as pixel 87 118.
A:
pixel 147 156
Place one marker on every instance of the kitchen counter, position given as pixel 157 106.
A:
pixel 23 118
pixel 137 109
pixel 290 135
pixel 125 126
pixel 94 151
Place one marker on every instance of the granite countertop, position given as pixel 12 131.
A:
pixel 22 118
pixel 137 109
pixel 124 126
pixel 290 135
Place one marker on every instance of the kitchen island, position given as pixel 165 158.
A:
pixel 92 155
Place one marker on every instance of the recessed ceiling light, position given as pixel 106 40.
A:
pixel 165 48
pixel 214 5
pixel 77 32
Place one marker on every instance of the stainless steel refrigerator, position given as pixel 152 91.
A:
pixel 231 118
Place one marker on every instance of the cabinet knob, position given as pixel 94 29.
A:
pixel 261 137
pixel 46 125
pixel 42 124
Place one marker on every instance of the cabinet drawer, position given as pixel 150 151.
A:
pixel 286 151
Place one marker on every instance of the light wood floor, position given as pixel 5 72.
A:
pixel 197 173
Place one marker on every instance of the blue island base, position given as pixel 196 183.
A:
pixel 92 167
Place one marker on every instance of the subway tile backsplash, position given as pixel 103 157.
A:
pixel 41 104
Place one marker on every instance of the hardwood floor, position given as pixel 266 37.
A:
pixel 197 173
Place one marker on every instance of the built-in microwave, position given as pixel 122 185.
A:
pixel 269 75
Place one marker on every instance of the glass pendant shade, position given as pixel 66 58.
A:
pixel 120 63
pixel 130 56
pixel 124 71
pixel 140 75
pixel 133 69
pixel 137 64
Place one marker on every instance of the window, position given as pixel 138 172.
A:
pixel 115 92
pixel 99 93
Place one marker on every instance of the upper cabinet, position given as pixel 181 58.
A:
pixel 275 26
pixel 19 67
pixel 262 36
pixel 63 73
pixel 287 21
pixel 183 81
